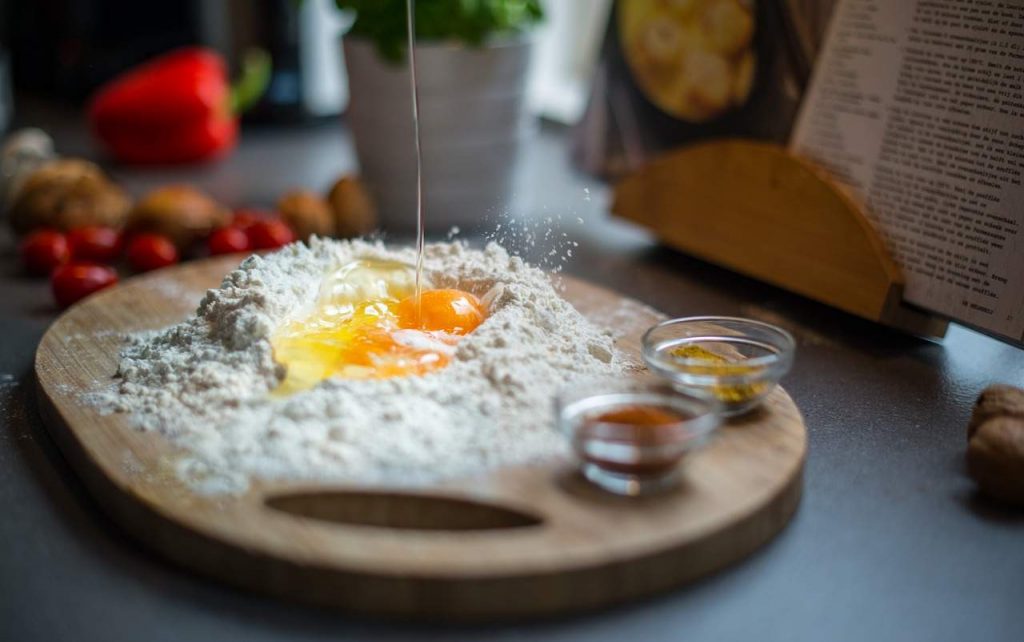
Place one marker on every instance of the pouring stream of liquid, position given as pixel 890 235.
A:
pixel 411 27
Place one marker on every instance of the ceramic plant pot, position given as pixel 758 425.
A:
pixel 473 121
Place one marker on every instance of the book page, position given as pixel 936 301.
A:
pixel 917 107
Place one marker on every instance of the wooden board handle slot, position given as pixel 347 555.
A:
pixel 403 511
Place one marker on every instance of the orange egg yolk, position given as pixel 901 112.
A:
pixel 380 337
pixel 451 311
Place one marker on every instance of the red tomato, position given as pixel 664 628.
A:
pixel 270 235
pixel 147 252
pixel 243 219
pixel 95 243
pixel 74 281
pixel 228 240
pixel 44 250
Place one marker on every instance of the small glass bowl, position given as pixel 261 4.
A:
pixel 738 361
pixel 627 458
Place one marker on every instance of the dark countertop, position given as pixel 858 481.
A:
pixel 890 543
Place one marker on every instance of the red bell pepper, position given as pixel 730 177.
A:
pixel 176 108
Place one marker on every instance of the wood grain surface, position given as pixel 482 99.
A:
pixel 757 209
pixel 522 542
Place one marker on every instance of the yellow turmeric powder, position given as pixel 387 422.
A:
pixel 718 365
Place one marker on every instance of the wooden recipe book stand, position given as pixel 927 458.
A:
pixel 755 208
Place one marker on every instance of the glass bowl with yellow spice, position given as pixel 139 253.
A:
pixel 738 361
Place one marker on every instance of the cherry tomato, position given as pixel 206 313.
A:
pixel 73 281
pixel 147 252
pixel 270 235
pixel 95 243
pixel 228 240
pixel 243 219
pixel 44 250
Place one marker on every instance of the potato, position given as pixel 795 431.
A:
pixel 684 9
pixel 179 212
pixel 68 193
pixel 727 26
pixel 662 41
pixel 709 84
pixel 744 78
pixel 306 213
pixel 354 211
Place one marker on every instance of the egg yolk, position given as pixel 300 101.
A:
pixel 451 311
pixel 368 324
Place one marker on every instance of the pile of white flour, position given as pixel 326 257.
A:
pixel 204 383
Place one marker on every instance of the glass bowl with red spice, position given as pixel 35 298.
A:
pixel 631 436
pixel 738 361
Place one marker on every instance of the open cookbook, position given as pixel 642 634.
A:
pixel 916 108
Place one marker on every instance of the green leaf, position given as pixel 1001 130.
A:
pixel 253 81
pixel 468 21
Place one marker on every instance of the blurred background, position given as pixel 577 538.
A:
pixel 60 53
pixel 619 81
pixel 65 49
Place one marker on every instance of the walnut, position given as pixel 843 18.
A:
pixel 65 194
pixel 306 213
pixel 179 212
pixel 354 212
pixel 995 448
pixel 996 401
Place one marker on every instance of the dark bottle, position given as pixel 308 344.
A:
pixel 6 89
pixel 65 49
pixel 302 39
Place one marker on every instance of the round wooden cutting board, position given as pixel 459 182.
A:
pixel 521 542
